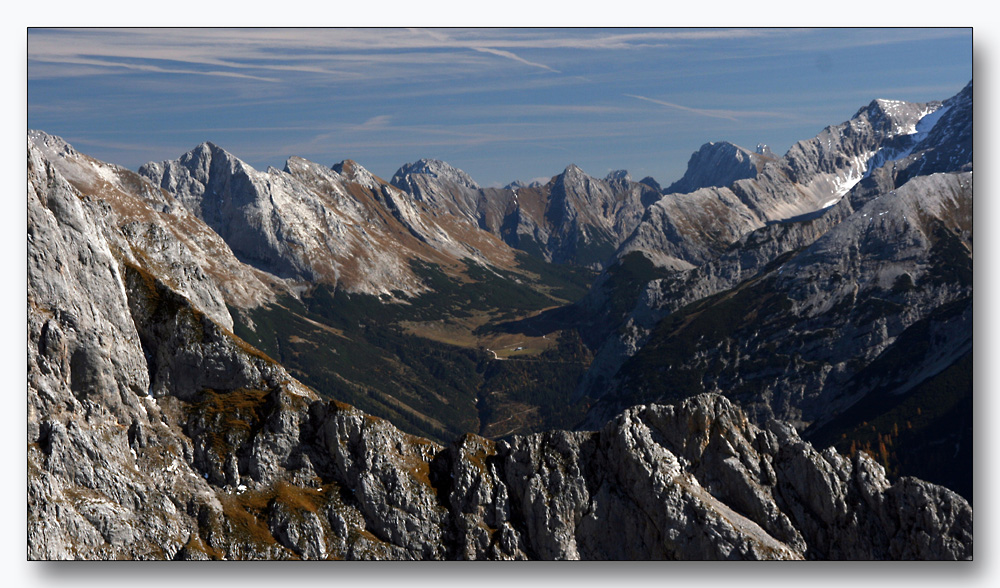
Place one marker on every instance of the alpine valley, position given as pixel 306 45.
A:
pixel 769 359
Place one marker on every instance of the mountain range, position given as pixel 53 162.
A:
pixel 771 358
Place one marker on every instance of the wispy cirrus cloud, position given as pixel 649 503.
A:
pixel 509 55
pixel 733 115
pixel 590 39
pixel 374 123
pixel 185 53
pixel 350 52
pixel 149 68
pixel 333 52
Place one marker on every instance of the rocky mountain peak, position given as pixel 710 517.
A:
pixel 195 168
pixel 204 166
pixel 652 183
pixel 522 184
pixel 436 169
pixel 763 149
pixel 206 151
pixel 294 163
pixel 940 142
pixel 716 164
pixel 572 177
pixel 354 172
pixel 621 175
pixel 895 117
pixel 50 143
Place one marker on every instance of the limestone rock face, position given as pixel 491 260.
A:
pixel 112 471
pixel 148 227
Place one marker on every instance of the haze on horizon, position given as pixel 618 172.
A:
pixel 501 104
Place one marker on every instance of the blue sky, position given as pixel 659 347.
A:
pixel 501 104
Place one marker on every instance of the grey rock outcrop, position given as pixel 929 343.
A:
pixel 110 467
pixel 148 227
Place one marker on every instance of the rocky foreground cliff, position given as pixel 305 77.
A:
pixel 155 433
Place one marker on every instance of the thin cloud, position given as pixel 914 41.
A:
pixel 145 67
pixel 713 113
pixel 568 39
pixel 517 58
pixel 466 135
pixel 308 50
pixel 540 110
pixel 374 123
pixel 333 52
